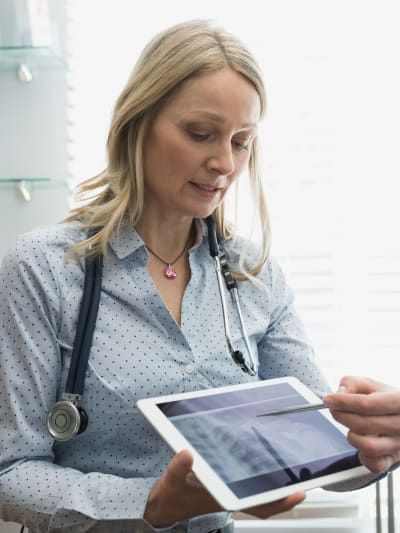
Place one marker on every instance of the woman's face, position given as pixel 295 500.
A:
pixel 199 143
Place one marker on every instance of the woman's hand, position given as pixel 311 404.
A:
pixel 178 495
pixel 371 411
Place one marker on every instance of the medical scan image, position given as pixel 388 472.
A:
pixel 248 450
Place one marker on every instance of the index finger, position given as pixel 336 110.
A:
pixel 373 404
pixel 363 385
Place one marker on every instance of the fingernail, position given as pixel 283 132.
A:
pixel 182 458
pixel 330 403
pixel 342 388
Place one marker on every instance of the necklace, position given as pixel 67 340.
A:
pixel 169 272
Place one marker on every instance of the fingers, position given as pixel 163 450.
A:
pixel 288 503
pixel 371 411
pixel 178 495
pixel 378 453
pixel 373 403
pixel 179 467
pixel 376 437
pixel 377 465
pixel 173 479
pixel 278 506
pixel 368 425
pixel 362 385
pixel 374 446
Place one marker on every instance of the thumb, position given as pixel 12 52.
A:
pixel 179 466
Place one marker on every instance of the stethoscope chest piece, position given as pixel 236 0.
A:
pixel 65 420
pixel 66 417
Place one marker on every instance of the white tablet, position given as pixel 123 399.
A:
pixel 245 459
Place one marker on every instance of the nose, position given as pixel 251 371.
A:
pixel 221 162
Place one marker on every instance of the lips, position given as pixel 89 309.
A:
pixel 206 188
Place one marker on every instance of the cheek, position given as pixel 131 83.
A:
pixel 171 155
pixel 183 156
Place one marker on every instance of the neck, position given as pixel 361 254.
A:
pixel 168 236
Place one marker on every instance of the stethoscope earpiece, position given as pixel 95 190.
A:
pixel 65 420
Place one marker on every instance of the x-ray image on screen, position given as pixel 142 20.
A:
pixel 272 451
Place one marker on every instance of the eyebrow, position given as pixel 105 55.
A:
pixel 217 118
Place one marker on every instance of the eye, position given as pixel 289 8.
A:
pixel 241 145
pixel 199 137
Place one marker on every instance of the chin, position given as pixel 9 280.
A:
pixel 202 211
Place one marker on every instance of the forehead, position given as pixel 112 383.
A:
pixel 224 94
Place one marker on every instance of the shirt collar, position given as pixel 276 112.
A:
pixel 126 240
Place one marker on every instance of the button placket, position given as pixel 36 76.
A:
pixel 189 368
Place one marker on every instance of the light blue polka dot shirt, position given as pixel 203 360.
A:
pixel 101 479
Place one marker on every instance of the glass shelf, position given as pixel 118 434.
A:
pixel 26 186
pixel 32 56
pixel 30 180
pixel 34 181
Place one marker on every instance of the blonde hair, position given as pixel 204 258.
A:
pixel 116 195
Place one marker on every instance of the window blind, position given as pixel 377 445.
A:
pixel 330 145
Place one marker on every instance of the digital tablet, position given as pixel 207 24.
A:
pixel 244 459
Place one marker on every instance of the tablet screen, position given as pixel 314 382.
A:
pixel 252 454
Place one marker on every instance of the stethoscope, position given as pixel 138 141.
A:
pixel 67 418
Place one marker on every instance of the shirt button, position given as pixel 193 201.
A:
pixel 189 368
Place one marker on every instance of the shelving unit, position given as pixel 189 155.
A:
pixel 26 185
pixel 26 60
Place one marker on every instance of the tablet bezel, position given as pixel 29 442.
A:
pixel 149 407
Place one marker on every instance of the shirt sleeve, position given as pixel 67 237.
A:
pixel 33 490
pixel 285 350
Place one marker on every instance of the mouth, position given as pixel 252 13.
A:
pixel 207 190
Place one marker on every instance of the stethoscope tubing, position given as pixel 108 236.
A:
pixel 248 364
pixel 217 266
pixel 85 327
pixel 67 418
pixel 253 366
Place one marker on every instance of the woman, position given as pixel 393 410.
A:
pixel 184 129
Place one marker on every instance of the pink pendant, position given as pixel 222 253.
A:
pixel 170 272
